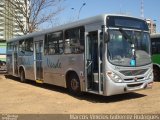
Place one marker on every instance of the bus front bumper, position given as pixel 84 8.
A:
pixel 113 88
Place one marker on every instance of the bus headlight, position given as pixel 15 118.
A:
pixel 114 77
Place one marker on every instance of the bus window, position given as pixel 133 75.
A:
pixel 155 46
pixel 29 46
pixel 74 40
pixel 54 43
pixel 26 47
pixel 9 46
pixel 21 47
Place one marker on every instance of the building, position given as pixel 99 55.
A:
pixel 8 26
pixel 151 26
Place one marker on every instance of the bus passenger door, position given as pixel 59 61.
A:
pixel 15 60
pixel 38 61
pixel 93 65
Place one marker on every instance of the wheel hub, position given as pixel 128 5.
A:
pixel 74 84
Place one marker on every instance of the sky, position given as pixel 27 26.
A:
pixel 96 7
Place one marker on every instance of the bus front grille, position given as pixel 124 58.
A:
pixel 134 79
pixel 133 72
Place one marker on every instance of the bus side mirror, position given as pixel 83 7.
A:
pixel 106 37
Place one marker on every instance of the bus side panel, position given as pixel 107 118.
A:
pixel 28 63
pixel 56 66
pixel 52 70
pixel 9 63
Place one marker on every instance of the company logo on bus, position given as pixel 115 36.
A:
pixel 135 78
pixel 53 64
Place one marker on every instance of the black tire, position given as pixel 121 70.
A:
pixel 22 76
pixel 156 73
pixel 74 85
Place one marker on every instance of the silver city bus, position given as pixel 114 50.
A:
pixel 105 54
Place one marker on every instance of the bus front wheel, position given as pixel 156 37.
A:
pixel 22 76
pixel 74 85
pixel 156 73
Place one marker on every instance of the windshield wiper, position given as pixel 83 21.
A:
pixel 125 35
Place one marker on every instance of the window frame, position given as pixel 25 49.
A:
pixel 74 44
pixel 57 42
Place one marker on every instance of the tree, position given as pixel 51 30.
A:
pixel 30 14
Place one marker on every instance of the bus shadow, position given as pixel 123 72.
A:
pixel 84 96
pixel 110 99
pixel 12 77
pixel 44 85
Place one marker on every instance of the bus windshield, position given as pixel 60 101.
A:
pixel 128 47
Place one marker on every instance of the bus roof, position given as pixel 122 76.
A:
pixel 155 35
pixel 90 20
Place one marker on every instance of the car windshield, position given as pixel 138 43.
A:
pixel 128 47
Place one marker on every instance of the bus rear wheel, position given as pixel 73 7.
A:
pixel 22 76
pixel 74 85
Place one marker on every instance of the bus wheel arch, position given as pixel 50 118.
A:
pixel 156 72
pixel 22 74
pixel 73 83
